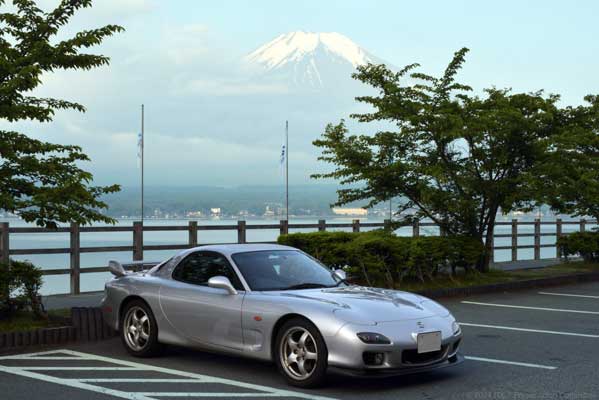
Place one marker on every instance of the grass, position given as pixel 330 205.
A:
pixel 498 276
pixel 24 321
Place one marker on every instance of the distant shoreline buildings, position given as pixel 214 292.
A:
pixel 349 212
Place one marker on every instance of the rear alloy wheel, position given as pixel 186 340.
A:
pixel 139 331
pixel 301 353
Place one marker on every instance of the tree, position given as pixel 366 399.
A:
pixel 41 181
pixel 570 177
pixel 456 158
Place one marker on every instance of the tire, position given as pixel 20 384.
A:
pixel 139 331
pixel 306 350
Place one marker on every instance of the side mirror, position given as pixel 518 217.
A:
pixel 340 274
pixel 116 268
pixel 221 282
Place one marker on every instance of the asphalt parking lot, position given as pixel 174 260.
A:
pixel 535 344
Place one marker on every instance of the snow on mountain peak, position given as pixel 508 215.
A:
pixel 296 46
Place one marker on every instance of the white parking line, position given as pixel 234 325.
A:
pixel 78 368
pixel 584 296
pixel 531 308
pixel 205 394
pixel 134 380
pixel 511 328
pixel 253 390
pixel 520 364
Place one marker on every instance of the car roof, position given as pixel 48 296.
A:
pixel 229 249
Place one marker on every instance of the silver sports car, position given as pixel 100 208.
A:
pixel 277 303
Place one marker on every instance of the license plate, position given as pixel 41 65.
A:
pixel 427 342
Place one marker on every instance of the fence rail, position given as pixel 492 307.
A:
pixel 137 248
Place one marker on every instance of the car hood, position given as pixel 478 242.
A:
pixel 360 304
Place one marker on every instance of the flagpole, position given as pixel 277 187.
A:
pixel 142 164
pixel 287 169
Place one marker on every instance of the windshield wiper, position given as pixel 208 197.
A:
pixel 306 286
pixel 340 282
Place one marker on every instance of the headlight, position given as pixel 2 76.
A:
pixel 455 327
pixel 373 338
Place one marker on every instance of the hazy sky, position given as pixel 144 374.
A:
pixel 174 54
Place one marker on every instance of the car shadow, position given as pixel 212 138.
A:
pixel 265 373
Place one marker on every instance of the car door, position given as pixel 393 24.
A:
pixel 200 313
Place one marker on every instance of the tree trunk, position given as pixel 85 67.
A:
pixel 484 264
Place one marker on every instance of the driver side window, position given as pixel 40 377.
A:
pixel 198 268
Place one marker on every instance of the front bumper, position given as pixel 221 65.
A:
pixel 456 359
pixel 348 352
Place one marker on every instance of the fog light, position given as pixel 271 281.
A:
pixel 371 358
pixel 373 338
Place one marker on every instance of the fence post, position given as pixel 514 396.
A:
pixel 193 233
pixel 138 241
pixel 514 240
pixel 416 229
pixel 240 231
pixel 583 224
pixel 537 239
pixel 284 230
pixel 75 259
pixel 558 233
pixel 322 225
pixel 355 225
pixel 4 243
pixel 387 224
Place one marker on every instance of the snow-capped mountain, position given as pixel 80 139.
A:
pixel 309 60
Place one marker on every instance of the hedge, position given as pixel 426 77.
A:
pixel 585 244
pixel 382 259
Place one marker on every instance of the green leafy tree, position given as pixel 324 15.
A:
pixel 42 181
pixel 570 177
pixel 456 158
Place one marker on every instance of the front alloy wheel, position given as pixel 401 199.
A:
pixel 301 353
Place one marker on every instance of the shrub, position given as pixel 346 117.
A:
pixel 585 244
pixel 328 247
pixel 380 258
pixel 20 282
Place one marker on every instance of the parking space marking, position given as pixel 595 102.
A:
pixel 136 380
pixel 79 368
pixel 531 308
pixel 584 296
pixel 511 328
pixel 520 364
pixel 204 394
pixel 253 390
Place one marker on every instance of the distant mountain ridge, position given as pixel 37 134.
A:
pixel 309 60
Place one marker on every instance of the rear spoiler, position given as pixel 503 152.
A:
pixel 120 269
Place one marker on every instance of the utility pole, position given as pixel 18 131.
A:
pixel 287 169
pixel 142 163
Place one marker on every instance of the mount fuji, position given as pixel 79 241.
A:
pixel 311 61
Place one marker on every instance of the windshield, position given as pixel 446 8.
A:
pixel 282 270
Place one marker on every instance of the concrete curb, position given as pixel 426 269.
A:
pixel 516 285
pixel 44 336
pixel 89 324
pixel 86 324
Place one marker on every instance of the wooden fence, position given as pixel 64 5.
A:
pixel 137 248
